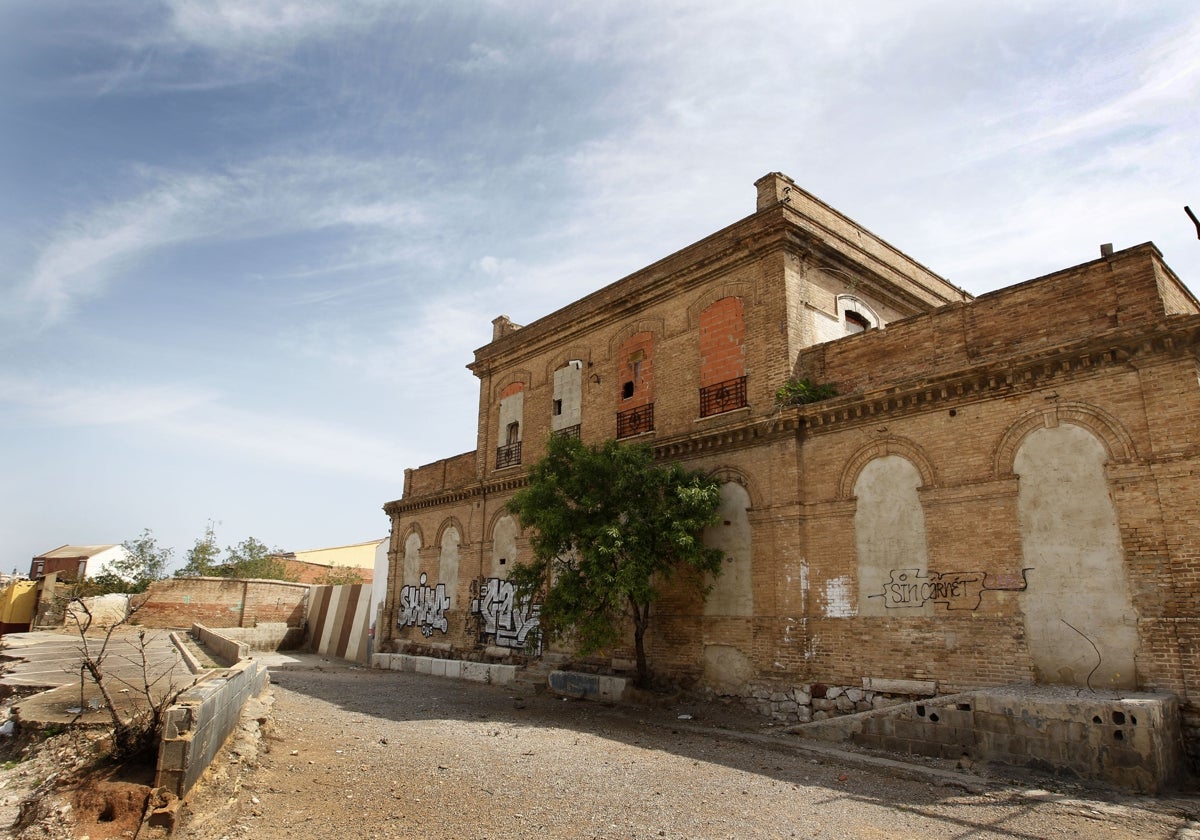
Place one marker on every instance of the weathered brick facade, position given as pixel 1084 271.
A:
pixel 1007 489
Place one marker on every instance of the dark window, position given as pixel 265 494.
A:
pixel 627 390
pixel 557 411
pixel 514 433
pixel 855 322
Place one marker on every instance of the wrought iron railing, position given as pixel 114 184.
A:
pixel 568 432
pixel 508 456
pixel 722 397
pixel 634 421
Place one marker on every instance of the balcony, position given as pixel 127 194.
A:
pixel 568 432
pixel 635 421
pixel 508 456
pixel 722 397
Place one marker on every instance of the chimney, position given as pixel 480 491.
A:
pixel 773 189
pixel 1106 250
pixel 502 326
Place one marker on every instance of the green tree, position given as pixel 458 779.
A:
pixel 610 526
pixel 203 558
pixel 252 559
pixel 145 561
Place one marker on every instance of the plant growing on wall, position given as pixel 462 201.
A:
pixel 609 527
pixel 803 391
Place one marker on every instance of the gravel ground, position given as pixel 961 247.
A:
pixel 358 753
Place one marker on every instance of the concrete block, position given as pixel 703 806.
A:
pixel 454 669
pixel 422 664
pixel 437 667
pixel 502 674
pixel 916 688
pixel 475 672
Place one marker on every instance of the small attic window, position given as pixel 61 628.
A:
pixel 855 322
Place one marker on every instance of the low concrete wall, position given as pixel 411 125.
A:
pixel 198 724
pixel 484 672
pixel 587 686
pixel 226 650
pixel 1128 740
pixel 268 635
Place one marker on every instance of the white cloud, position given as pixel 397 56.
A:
pixel 267 197
pixel 113 403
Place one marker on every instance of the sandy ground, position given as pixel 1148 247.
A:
pixel 349 752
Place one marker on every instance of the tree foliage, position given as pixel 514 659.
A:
pixel 248 559
pixel 202 558
pixel 803 391
pixel 610 526
pixel 145 561
pixel 252 559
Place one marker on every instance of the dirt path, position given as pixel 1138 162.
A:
pixel 380 754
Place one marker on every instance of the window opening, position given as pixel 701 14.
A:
pixel 514 433
pixel 855 322
pixel 627 390
pixel 557 408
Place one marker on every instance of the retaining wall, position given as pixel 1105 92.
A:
pixel 268 635
pixel 198 724
pixel 1128 740
pixel 484 672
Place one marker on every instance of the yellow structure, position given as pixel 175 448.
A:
pixel 18 604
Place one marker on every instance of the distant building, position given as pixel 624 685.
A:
pixel 1006 489
pixel 75 562
pixel 320 565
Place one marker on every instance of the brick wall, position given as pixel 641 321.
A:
pixel 221 602
pixel 722 333
pixel 953 391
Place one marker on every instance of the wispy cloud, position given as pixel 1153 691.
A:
pixel 114 403
pixel 269 197
pixel 202 418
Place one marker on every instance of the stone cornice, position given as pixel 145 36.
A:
pixel 994 377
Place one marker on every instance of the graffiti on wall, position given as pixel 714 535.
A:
pixel 911 588
pixel 424 606
pixel 503 615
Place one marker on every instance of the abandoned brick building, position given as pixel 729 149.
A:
pixel 1006 489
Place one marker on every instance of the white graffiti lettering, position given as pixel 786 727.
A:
pixel 508 618
pixel 425 607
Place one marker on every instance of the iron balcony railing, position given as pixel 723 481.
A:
pixel 508 456
pixel 567 432
pixel 635 421
pixel 722 397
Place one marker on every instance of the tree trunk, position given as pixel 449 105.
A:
pixel 641 619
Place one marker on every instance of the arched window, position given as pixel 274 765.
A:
pixel 512 411
pixel 856 316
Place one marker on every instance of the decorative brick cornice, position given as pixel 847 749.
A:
pixel 508 484
pixel 996 377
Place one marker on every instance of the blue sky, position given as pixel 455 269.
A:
pixel 248 248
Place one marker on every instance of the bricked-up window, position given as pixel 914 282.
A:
pixel 722 357
pixel 567 405
pixel 635 377
pixel 512 411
